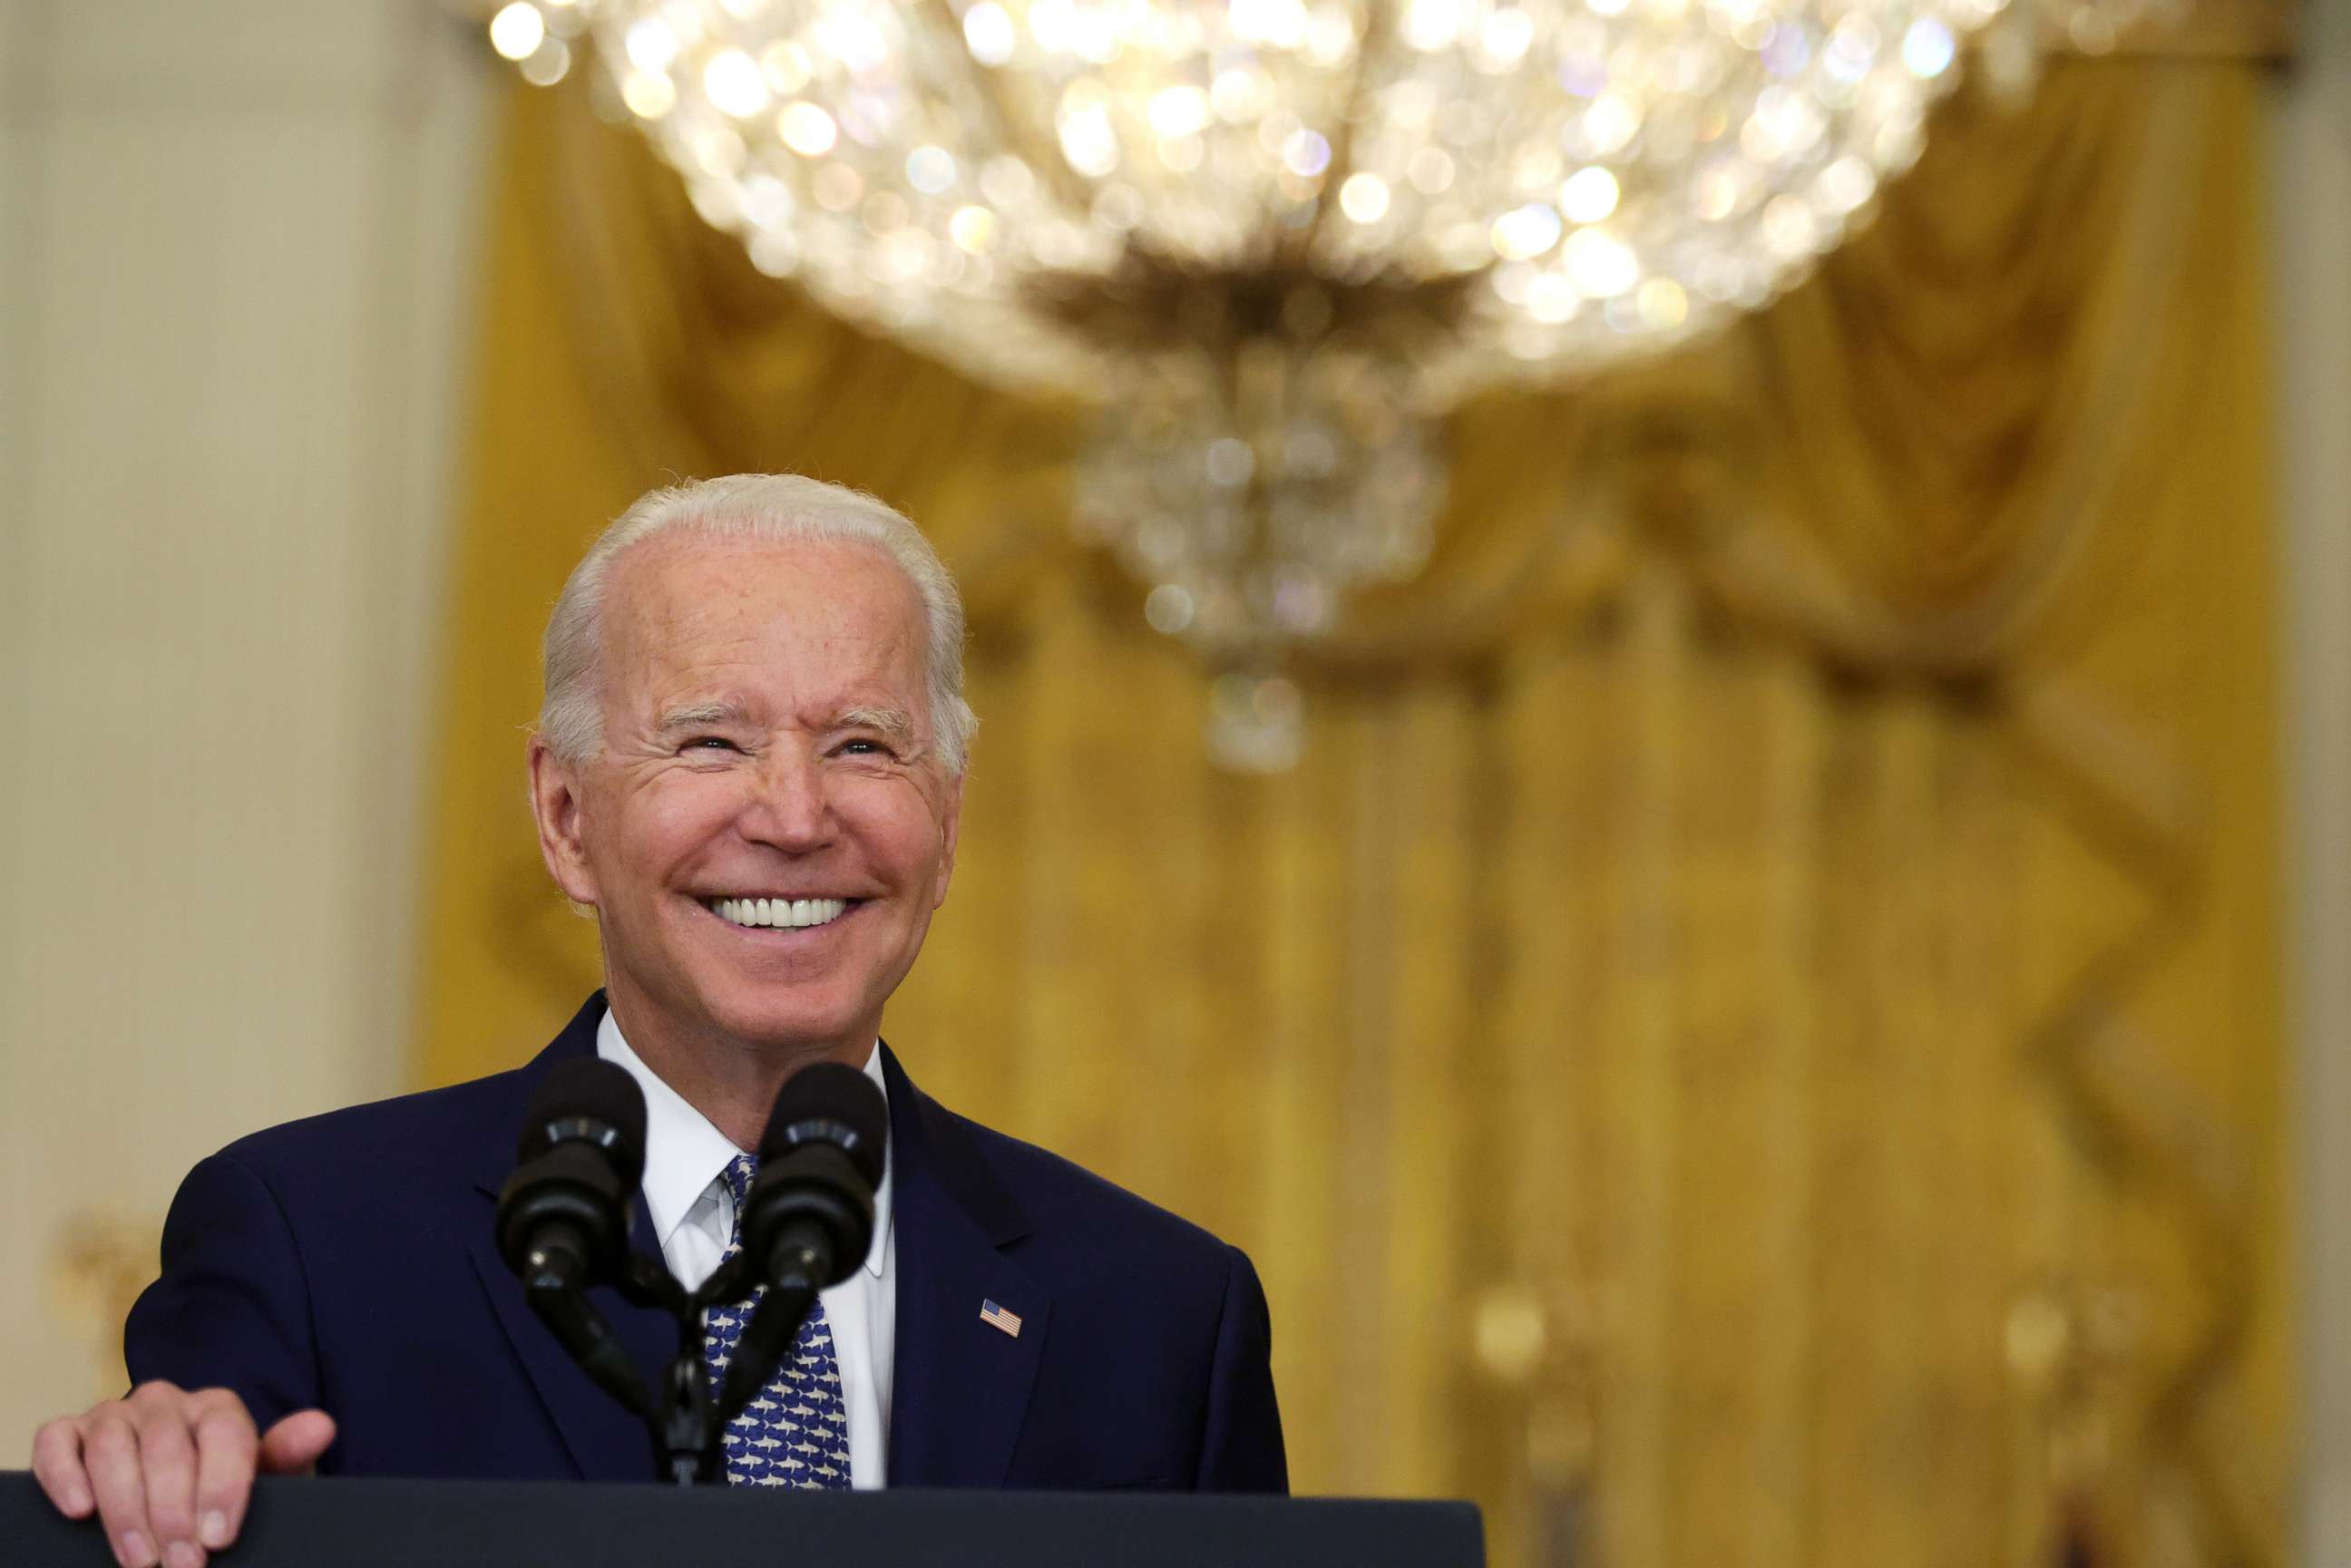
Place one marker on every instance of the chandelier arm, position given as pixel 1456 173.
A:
pixel 988 88
pixel 1378 27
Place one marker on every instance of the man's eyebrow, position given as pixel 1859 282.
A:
pixel 693 714
pixel 896 724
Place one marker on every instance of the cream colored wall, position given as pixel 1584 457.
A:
pixel 231 298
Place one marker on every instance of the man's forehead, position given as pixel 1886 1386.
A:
pixel 689 561
pixel 771 632
pixel 673 590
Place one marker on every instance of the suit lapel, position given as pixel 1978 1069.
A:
pixel 960 1384
pixel 605 1441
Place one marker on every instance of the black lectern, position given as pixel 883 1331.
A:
pixel 526 1524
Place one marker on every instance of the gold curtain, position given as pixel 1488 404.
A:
pixel 1752 1036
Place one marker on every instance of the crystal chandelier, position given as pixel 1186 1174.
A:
pixel 1274 240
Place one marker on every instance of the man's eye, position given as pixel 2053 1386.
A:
pixel 862 746
pixel 711 742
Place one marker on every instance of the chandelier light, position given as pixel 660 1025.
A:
pixel 1276 240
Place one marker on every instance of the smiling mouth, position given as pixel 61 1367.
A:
pixel 780 914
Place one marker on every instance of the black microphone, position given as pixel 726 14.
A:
pixel 807 1219
pixel 563 1216
pixel 809 1212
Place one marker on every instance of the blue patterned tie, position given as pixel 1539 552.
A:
pixel 795 1433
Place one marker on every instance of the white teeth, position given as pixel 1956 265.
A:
pixel 786 913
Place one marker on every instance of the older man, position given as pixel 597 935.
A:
pixel 749 764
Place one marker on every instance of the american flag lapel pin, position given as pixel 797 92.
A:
pixel 998 1318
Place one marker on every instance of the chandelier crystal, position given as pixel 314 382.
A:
pixel 1273 240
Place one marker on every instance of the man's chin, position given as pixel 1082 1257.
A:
pixel 789 1025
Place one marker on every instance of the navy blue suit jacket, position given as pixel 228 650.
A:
pixel 346 1262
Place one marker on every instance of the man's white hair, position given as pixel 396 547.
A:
pixel 781 507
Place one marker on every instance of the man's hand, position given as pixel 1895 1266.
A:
pixel 168 1471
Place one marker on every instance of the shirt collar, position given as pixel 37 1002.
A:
pixel 685 1154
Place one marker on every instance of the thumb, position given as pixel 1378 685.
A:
pixel 295 1444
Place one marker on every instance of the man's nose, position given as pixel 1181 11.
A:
pixel 788 807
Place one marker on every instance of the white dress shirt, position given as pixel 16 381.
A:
pixel 692 1213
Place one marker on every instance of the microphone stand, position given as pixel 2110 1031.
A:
pixel 687 1418
pixel 687 1422
pixel 560 1224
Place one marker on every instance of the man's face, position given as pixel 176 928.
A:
pixel 766 736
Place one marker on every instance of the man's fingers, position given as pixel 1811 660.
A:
pixel 169 1472
pixel 295 1444
pixel 57 1465
pixel 109 1453
pixel 167 1459
pixel 227 1450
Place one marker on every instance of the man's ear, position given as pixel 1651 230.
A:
pixel 950 825
pixel 555 804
